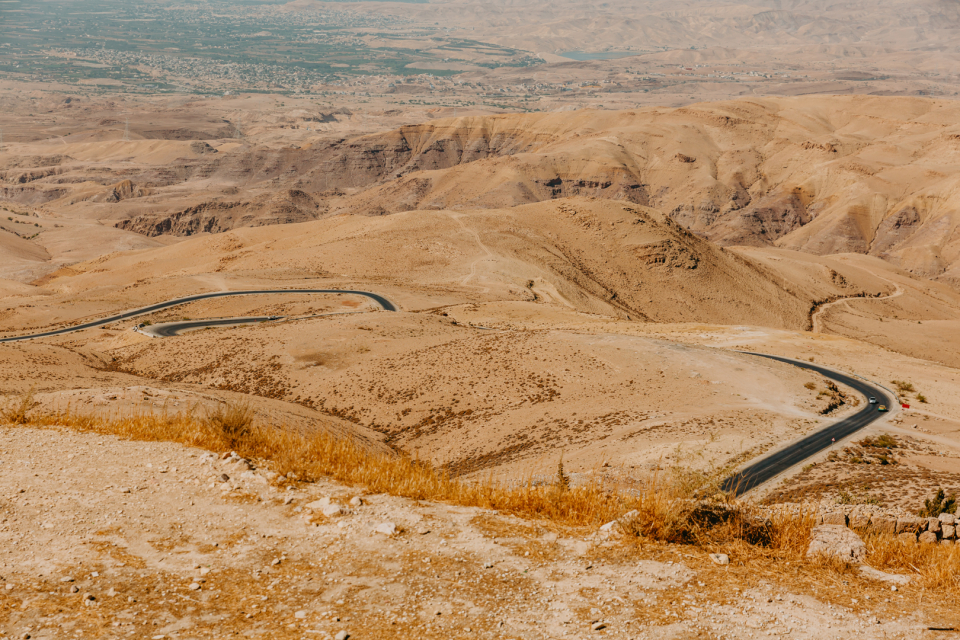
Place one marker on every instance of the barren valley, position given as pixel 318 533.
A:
pixel 514 278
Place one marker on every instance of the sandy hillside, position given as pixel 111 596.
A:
pixel 518 318
pixel 594 256
pixel 823 175
pixel 476 400
pixel 511 321
pixel 590 255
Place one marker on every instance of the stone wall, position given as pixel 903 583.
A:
pixel 941 530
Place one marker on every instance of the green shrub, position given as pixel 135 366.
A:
pixel 941 503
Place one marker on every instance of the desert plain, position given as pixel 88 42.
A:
pixel 582 238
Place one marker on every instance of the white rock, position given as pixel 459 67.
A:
pixel 300 615
pixel 876 574
pixel 836 540
pixel 318 505
pixel 596 626
pixel 356 501
pixel 343 635
pixel 720 558
pixel 617 525
pixel 387 529
pixel 947 518
pixel 332 510
pixel 239 465
pixel 194 586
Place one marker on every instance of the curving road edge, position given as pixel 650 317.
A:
pixel 741 482
pixel 385 304
pixel 781 460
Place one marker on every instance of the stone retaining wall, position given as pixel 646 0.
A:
pixel 941 530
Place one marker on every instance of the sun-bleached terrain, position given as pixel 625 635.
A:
pixel 576 292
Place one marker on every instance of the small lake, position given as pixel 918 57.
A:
pixel 600 55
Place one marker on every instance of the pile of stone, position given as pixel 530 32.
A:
pixel 942 529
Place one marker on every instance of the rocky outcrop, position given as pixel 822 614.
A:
pixel 894 229
pixel 614 186
pixel 29 175
pixel 759 223
pixel 836 541
pixel 212 133
pixel 216 217
pixel 123 190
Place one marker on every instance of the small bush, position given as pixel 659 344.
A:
pixel 234 420
pixel 921 398
pixel 883 441
pixel 563 480
pixel 19 411
pixel 903 386
pixel 941 503
pixel 810 386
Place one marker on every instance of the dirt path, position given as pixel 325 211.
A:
pixel 817 322
pixel 473 265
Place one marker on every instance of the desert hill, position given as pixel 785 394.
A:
pixel 589 255
pixel 824 175
pixel 511 321
pixel 592 255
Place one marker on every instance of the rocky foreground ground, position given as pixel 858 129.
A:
pixel 104 538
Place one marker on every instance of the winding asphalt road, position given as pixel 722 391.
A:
pixel 741 482
pixel 779 461
pixel 383 302
pixel 171 329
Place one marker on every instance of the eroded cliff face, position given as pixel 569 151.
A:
pixel 825 175
pixel 216 217
pixel 822 175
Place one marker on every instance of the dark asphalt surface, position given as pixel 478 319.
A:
pixel 779 461
pixel 176 328
pixel 383 302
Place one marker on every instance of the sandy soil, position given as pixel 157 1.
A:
pixel 125 539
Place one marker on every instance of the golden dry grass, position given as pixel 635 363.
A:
pixel 936 566
pixel 310 457
pixel 18 410
pixel 666 511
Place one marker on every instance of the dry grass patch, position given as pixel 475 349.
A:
pixel 934 566
pixel 666 511
pixel 310 457
pixel 18 410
